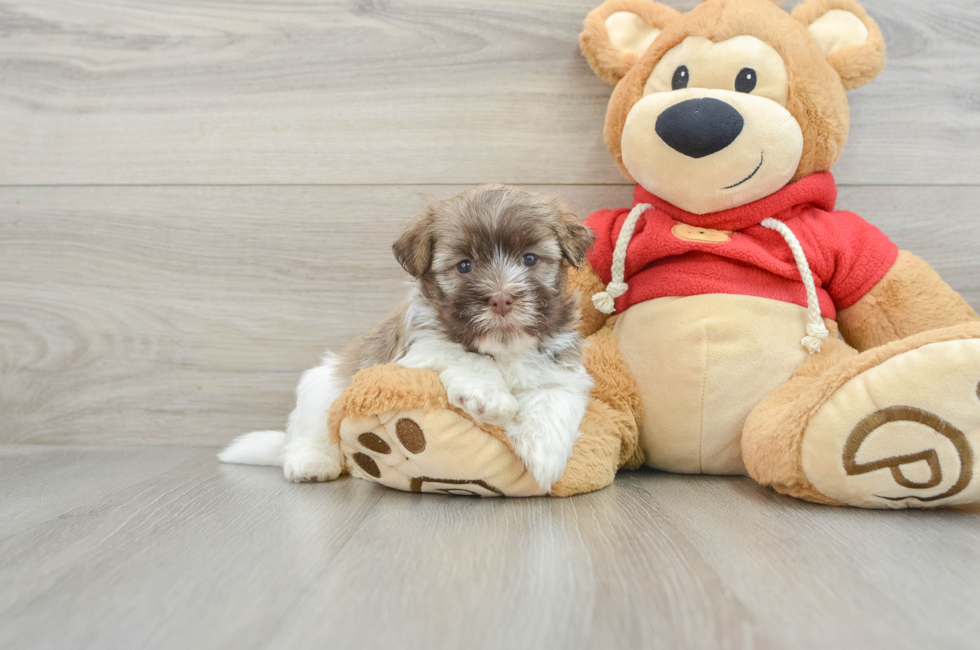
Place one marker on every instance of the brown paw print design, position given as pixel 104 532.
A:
pixel 391 460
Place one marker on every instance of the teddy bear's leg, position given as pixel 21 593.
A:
pixel 609 437
pixel 896 426
pixel 396 427
pixel 610 429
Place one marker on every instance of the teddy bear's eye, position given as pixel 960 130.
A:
pixel 746 80
pixel 682 77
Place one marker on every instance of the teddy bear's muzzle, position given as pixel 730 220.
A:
pixel 680 144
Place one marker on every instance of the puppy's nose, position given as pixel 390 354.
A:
pixel 502 303
pixel 700 127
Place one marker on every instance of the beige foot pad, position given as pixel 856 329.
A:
pixel 433 451
pixel 902 434
pixel 418 443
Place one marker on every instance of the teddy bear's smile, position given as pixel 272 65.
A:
pixel 762 160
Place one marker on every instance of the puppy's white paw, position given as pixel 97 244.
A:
pixel 483 403
pixel 307 463
pixel 544 456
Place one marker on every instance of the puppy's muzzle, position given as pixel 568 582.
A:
pixel 700 127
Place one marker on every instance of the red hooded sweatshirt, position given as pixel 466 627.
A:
pixel 847 255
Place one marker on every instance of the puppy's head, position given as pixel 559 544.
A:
pixel 493 262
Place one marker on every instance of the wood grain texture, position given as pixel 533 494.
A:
pixel 200 555
pixel 421 91
pixel 185 315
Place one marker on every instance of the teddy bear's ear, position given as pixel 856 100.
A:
pixel 850 39
pixel 618 32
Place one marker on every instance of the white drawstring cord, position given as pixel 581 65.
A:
pixel 816 331
pixel 605 301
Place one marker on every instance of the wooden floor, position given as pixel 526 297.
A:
pixel 136 547
pixel 198 196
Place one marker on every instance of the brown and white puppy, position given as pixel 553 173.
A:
pixel 488 312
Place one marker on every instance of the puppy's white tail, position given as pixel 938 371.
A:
pixel 256 448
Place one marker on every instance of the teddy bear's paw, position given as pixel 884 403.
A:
pixel 433 450
pixel 309 462
pixel 903 434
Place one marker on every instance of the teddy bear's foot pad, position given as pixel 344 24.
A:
pixel 433 450
pixel 902 434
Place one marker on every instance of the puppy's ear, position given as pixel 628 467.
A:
pixel 414 249
pixel 618 32
pixel 849 38
pixel 574 238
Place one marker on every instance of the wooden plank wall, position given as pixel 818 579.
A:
pixel 197 198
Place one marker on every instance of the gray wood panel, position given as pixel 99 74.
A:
pixel 185 315
pixel 426 91
pixel 40 484
pixel 200 555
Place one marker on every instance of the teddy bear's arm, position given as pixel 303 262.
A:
pixel 584 283
pixel 911 298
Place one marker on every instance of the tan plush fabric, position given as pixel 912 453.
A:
pixel 883 441
pixel 911 298
pixel 773 435
pixel 381 388
pixel 702 363
pixel 610 434
pixel 426 444
pixel 585 283
pixel 856 64
pixel 430 450
pixel 608 62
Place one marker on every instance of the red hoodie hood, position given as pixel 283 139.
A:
pixel 675 253
pixel 820 190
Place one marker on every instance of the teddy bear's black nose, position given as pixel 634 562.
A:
pixel 699 127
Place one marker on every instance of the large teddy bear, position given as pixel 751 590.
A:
pixel 737 322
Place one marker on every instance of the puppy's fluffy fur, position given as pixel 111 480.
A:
pixel 518 366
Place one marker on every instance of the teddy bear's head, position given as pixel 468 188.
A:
pixel 726 104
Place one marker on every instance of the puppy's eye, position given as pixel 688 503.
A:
pixel 529 259
pixel 682 77
pixel 464 267
pixel 746 80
